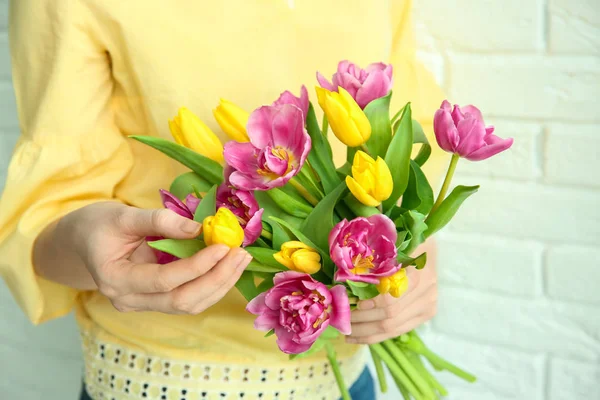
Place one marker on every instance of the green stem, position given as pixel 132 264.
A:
pixel 365 148
pixel 379 370
pixel 410 370
pixel 402 380
pixel 325 125
pixel 416 361
pixel 446 184
pixel 441 363
pixel 302 190
pixel 336 371
pixel 266 234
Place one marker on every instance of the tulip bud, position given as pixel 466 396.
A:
pixel 346 119
pixel 299 257
pixel 189 131
pixel 223 228
pixel 232 119
pixel 371 181
pixel 395 285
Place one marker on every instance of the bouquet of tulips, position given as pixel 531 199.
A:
pixel 323 238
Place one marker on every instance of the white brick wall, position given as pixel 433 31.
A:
pixel 519 271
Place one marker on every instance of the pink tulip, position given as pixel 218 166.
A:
pixel 244 206
pixel 288 98
pixel 186 210
pixel 364 249
pixel 462 131
pixel 299 309
pixel 364 85
pixel 279 145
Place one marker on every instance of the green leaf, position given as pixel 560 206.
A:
pixel 280 235
pixel 363 291
pixel 208 205
pixel 330 333
pixel 185 184
pixel 271 332
pixel 206 168
pixel 418 195
pixel 444 213
pixel 256 266
pixel 320 221
pixel 359 208
pixel 265 256
pixel 419 261
pixel 398 157
pixel 345 170
pixel 378 113
pixel 398 115
pixel 182 248
pixel 419 137
pixel 414 225
pixel 289 204
pixel 246 286
pixel 320 156
pixel 265 285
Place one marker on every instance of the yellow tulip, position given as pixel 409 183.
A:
pixel 371 181
pixel 395 285
pixel 223 228
pixel 299 257
pixel 232 119
pixel 189 131
pixel 346 119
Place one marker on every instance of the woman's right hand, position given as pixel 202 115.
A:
pixel 103 246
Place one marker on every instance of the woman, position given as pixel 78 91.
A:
pixel 81 197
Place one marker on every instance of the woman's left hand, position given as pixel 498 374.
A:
pixel 386 317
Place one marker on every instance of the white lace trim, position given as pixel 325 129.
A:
pixel 114 372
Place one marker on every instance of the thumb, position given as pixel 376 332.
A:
pixel 158 222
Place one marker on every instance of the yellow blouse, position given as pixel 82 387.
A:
pixel 87 73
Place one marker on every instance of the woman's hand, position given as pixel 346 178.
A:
pixel 102 246
pixel 386 317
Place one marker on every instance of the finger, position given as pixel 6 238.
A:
pixel 140 223
pixel 132 278
pixel 381 307
pixel 197 295
pixel 143 254
pixel 380 337
pixel 385 300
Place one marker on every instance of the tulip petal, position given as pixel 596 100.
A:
pixel 474 111
pixel 340 310
pixel 360 193
pixel 445 131
pixel 260 126
pixel 325 84
pixel 286 343
pixel 242 157
pixel 490 150
pixel 192 203
pixel 377 85
pixel 471 132
pixel 253 228
pixel 174 204
pixel 257 305
pixel 267 321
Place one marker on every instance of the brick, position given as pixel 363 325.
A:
pixel 502 373
pixel 521 161
pixel 530 211
pixel 572 273
pixel 573 379
pixel 466 25
pixel 8 108
pixel 434 63
pixel 566 148
pixel 574 26
pixel 492 264
pixel 533 86
pixel 530 325
pixel 5 72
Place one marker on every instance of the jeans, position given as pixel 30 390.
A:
pixel 363 388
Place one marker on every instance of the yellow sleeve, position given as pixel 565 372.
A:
pixel 414 83
pixel 70 152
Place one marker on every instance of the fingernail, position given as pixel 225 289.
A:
pixel 220 251
pixel 190 226
pixel 366 304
